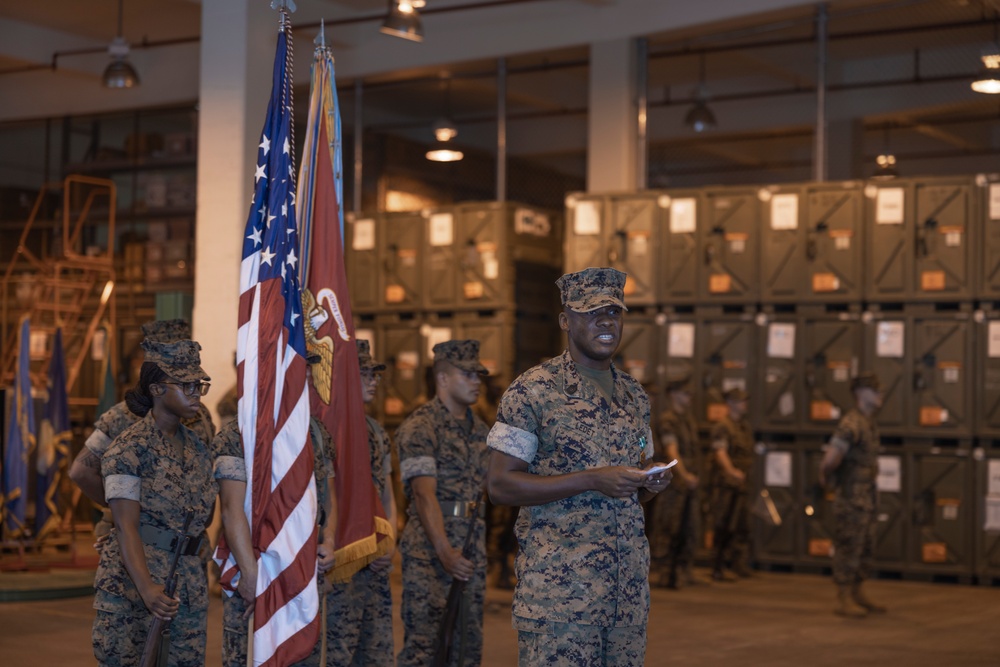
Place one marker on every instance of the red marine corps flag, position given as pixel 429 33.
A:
pixel 335 393
pixel 273 417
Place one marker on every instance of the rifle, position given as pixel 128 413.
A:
pixel 446 631
pixel 155 651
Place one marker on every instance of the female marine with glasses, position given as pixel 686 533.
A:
pixel 154 473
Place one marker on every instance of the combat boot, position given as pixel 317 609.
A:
pixel 862 600
pixel 845 605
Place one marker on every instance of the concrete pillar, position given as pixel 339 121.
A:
pixel 237 52
pixel 845 149
pixel 612 126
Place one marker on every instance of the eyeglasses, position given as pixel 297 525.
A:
pixel 192 388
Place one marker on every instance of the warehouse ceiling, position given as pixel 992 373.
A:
pixel 898 71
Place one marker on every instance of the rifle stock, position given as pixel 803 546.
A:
pixel 446 631
pixel 153 653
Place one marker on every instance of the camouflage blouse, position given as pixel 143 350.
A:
pixel 582 559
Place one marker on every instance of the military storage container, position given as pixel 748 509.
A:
pixel 987 514
pixel 942 375
pixel 831 354
pixel 834 241
pixel 678 354
pixel 778 395
pixel 680 262
pixel 402 348
pixel 726 347
pixel 384 261
pixel 888 345
pixel 637 354
pixel 921 239
pixel 818 524
pixel 892 521
pixel 729 243
pixel 987 395
pixel 476 254
pixel 621 231
pixel 776 501
pixel 989 215
pixel 941 491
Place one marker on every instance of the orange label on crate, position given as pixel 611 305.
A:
pixel 473 290
pixel 716 412
pixel 841 233
pixel 821 411
pixel 932 415
pixel 734 364
pixel 737 236
pixel 486 247
pixel 720 283
pixel 825 282
pixel 394 294
pixel 820 548
pixel 932 281
pixel 393 406
pixel 935 552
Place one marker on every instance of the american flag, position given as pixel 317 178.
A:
pixel 274 400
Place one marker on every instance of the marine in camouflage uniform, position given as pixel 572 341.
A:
pixel 231 465
pixel 582 593
pixel 674 516
pixel 732 443
pixel 144 465
pixel 434 443
pixel 359 612
pixel 852 461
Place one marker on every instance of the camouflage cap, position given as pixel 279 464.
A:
pixel 365 360
pixel 167 331
pixel 180 359
pixel 678 381
pixel 866 380
pixel 736 395
pixel 591 289
pixel 463 354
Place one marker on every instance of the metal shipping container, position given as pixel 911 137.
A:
pixel 776 502
pixel 942 509
pixel 989 217
pixel 361 261
pixel 783 244
pixel 779 392
pixel 831 354
pixel 887 351
pixel 729 246
pixel 834 241
pixel 942 375
pixel 987 362
pixel 726 347
pixel 402 275
pixel 680 263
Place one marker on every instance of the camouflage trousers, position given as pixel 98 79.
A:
pixel 854 539
pixel 425 594
pixel 121 626
pixel 550 644
pixel 235 633
pixel 732 526
pixel 664 523
pixel 359 621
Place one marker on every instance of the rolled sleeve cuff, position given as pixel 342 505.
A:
pixel 231 467
pixel 122 487
pixel 840 445
pixel 720 445
pixel 418 466
pixel 98 442
pixel 513 441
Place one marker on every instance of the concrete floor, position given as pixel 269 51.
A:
pixel 772 619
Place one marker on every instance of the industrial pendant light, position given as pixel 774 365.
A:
pixel 700 117
pixel 886 161
pixel 403 21
pixel 989 79
pixel 445 131
pixel 119 73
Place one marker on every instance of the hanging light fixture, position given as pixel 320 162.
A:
pixel 403 20
pixel 445 131
pixel 700 117
pixel 988 81
pixel 119 73
pixel 885 161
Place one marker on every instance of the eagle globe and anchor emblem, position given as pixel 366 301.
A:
pixel 319 310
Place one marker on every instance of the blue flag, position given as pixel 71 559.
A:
pixel 53 443
pixel 20 440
